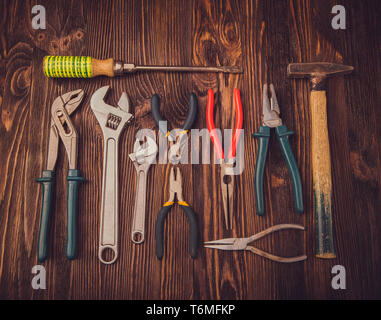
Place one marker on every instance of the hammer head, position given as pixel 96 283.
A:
pixel 317 69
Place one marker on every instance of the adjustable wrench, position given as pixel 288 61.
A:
pixel 112 120
pixel 144 155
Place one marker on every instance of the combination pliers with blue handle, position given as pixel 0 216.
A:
pixel 271 119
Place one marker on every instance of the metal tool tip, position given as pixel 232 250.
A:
pixel 315 69
pixel 98 96
pixel 232 69
pixel 73 97
pixel 124 102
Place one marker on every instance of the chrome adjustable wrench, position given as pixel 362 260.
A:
pixel 112 121
pixel 144 155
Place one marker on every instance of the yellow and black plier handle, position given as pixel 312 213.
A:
pixel 175 188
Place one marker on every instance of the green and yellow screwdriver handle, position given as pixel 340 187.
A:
pixel 78 67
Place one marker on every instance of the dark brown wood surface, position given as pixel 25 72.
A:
pixel 262 37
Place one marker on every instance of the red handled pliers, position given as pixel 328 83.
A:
pixel 227 173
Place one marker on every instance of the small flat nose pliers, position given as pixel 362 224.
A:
pixel 175 189
pixel 243 244
pixel 61 127
pixel 271 119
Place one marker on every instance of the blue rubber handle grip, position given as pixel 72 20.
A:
pixel 263 136
pixel 73 180
pixel 282 135
pixel 47 180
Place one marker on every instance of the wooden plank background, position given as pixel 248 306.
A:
pixel 262 37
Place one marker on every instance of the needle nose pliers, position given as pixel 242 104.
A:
pixel 271 119
pixel 175 148
pixel 243 244
pixel 61 128
pixel 227 179
pixel 175 188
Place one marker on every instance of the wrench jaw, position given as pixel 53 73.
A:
pixel 144 153
pixel 111 119
pixel 124 102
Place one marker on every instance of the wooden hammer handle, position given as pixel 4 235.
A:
pixel 322 181
pixel 77 67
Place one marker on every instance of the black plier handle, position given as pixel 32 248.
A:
pixel 175 189
pixel 189 120
pixel 159 228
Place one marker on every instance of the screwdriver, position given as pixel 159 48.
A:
pixel 88 67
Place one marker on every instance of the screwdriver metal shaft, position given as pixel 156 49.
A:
pixel 188 69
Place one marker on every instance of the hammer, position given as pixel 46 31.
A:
pixel 321 159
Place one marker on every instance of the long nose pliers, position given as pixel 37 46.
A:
pixel 227 178
pixel 175 189
pixel 271 119
pixel 232 244
pixel 61 128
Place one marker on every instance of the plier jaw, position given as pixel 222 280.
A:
pixel 227 244
pixel 271 110
pixel 231 244
pixel 70 100
pixel 175 186
pixel 62 107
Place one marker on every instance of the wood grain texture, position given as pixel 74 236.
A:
pixel 262 37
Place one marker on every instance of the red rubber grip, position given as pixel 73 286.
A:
pixel 212 129
pixel 211 126
pixel 238 123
